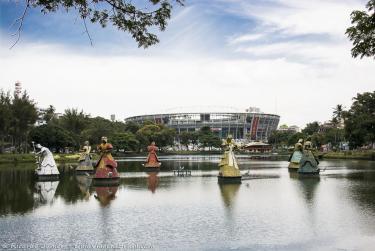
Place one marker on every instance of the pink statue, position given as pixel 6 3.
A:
pixel 152 159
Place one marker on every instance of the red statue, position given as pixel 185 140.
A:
pixel 152 159
pixel 106 168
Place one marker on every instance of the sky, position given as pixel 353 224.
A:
pixel 287 57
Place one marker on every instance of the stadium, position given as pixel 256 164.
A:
pixel 252 124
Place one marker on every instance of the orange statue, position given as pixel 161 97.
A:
pixel 152 159
pixel 106 168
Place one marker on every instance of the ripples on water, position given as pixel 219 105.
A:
pixel 271 210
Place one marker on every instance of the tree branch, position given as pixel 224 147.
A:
pixel 20 21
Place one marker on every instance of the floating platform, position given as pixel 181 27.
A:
pixel 47 177
pixel 83 172
pixel 316 172
pixel 106 181
pixel 229 179
pixel 152 169
pixel 293 167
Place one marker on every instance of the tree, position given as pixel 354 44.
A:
pixel 132 127
pixel 362 33
pixel 95 129
pixel 49 114
pixel 311 128
pixel 280 138
pixel 293 139
pixel 53 137
pixel 122 14
pixel 5 117
pixel 338 112
pixel 162 135
pixel 207 138
pixel 360 120
pixel 126 141
pixel 24 116
pixel 75 122
pixel 185 138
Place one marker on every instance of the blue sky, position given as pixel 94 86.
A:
pixel 289 57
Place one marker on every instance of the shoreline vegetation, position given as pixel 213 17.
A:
pixel 12 158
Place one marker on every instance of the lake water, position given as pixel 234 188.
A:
pixel 274 210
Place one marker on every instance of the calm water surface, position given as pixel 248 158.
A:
pixel 273 210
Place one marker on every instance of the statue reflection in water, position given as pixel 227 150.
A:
pixel 229 193
pixel 307 185
pixel 84 183
pixel 45 191
pixel 105 194
pixel 152 181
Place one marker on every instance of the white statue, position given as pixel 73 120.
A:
pixel 46 162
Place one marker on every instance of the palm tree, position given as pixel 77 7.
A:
pixel 338 112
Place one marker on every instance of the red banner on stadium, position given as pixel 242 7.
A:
pixel 254 128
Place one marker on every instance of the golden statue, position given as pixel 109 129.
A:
pixel 229 170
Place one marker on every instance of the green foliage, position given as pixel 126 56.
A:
pixel 162 135
pixel 360 120
pixel 74 121
pixel 96 128
pixel 280 138
pixel 5 116
pixel 123 15
pixel 295 137
pixel 207 138
pixel 185 138
pixel 53 136
pixel 49 114
pixel 24 116
pixel 126 141
pixel 132 127
pixel 311 128
pixel 362 33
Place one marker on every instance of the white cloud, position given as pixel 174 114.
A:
pixel 126 85
pixel 302 80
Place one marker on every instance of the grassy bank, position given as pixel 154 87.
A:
pixel 29 158
pixel 360 155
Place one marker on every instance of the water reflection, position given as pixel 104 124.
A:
pixel 45 191
pixel 228 194
pixel 84 183
pixel 307 185
pixel 16 191
pixel 105 194
pixel 152 181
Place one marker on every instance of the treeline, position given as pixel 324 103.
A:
pixel 19 119
pixel 355 126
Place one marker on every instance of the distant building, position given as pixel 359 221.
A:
pixel 251 125
pixel 293 128
pixel 113 117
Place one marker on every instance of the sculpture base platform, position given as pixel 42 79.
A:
pixel 152 169
pixel 83 172
pixel 293 167
pixel 49 177
pixel 229 179
pixel 106 181
pixel 315 172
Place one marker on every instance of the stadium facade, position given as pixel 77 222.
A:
pixel 252 124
